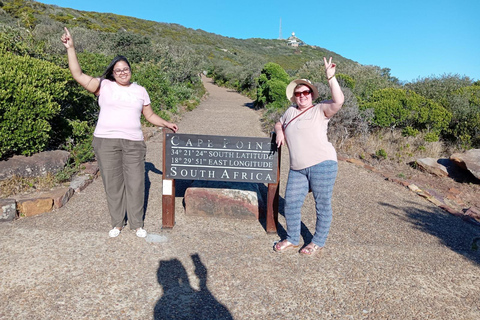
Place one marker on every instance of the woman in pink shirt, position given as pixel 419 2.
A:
pixel 313 159
pixel 118 139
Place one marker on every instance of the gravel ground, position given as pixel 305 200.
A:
pixel 390 253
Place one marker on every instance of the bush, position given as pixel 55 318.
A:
pixel 272 84
pixel 30 92
pixel 398 108
pixel 465 124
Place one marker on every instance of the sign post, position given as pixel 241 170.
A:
pixel 220 158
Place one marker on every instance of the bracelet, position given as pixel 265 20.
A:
pixel 328 79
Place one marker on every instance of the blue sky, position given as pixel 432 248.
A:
pixel 414 38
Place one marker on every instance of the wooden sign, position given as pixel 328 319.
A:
pixel 220 158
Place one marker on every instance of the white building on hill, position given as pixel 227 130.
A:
pixel 294 41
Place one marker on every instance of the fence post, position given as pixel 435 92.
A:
pixel 168 192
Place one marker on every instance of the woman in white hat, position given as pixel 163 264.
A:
pixel 313 159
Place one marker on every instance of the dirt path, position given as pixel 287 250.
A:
pixel 390 254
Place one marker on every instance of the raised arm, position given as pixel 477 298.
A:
pixel 90 83
pixel 333 105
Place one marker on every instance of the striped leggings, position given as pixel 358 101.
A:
pixel 320 178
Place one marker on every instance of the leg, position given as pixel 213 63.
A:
pixel 109 156
pixel 134 173
pixel 297 189
pixel 322 179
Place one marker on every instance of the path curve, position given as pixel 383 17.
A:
pixel 390 254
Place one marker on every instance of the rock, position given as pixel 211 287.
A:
pixel 60 196
pixel 469 160
pixel 224 199
pixel 79 183
pixel 473 213
pixel 37 165
pixel 32 206
pixel 356 162
pixel 8 210
pixel 432 166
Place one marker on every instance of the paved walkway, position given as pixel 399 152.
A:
pixel 390 254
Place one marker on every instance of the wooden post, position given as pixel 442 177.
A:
pixel 168 192
pixel 272 200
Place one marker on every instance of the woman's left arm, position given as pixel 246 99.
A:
pixel 154 119
pixel 333 105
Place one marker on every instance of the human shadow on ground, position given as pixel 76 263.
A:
pixel 149 167
pixel 180 300
pixel 457 234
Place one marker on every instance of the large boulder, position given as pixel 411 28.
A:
pixel 37 165
pixel 224 199
pixel 469 160
pixel 433 166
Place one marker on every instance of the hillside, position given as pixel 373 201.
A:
pixel 37 16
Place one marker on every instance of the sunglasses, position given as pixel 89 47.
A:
pixel 305 93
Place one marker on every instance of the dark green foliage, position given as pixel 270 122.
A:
pixel 30 96
pixel 398 108
pixel 465 124
pixel 272 84
pixel 345 81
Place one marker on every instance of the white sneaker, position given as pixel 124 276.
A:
pixel 141 233
pixel 114 233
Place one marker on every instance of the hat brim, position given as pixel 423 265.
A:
pixel 292 85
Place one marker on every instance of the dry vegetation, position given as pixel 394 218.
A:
pixel 18 185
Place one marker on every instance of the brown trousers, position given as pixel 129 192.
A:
pixel 122 166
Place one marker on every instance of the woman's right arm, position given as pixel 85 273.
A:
pixel 280 138
pixel 90 83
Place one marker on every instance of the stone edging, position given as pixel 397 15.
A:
pixel 41 202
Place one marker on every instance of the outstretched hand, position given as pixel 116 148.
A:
pixel 67 39
pixel 329 67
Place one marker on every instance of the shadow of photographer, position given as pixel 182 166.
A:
pixel 180 300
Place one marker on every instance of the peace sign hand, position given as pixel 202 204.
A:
pixel 67 39
pixel 329 68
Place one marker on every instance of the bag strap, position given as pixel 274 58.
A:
pixel 298 115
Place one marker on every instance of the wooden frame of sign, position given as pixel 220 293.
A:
pixel 220 158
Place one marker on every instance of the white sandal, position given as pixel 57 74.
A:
pixel 114 232
pixel 141 233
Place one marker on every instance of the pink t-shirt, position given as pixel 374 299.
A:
pixel 306 137
pixel 120 111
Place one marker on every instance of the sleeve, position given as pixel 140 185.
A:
pixel 146 97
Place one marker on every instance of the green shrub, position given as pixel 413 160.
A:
pixel 30 92
pixel 381 153
pixel 465 124
pixel 431 137
pixel 398 108
pixel 345 80
pixel 410 132
pixel 272 84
